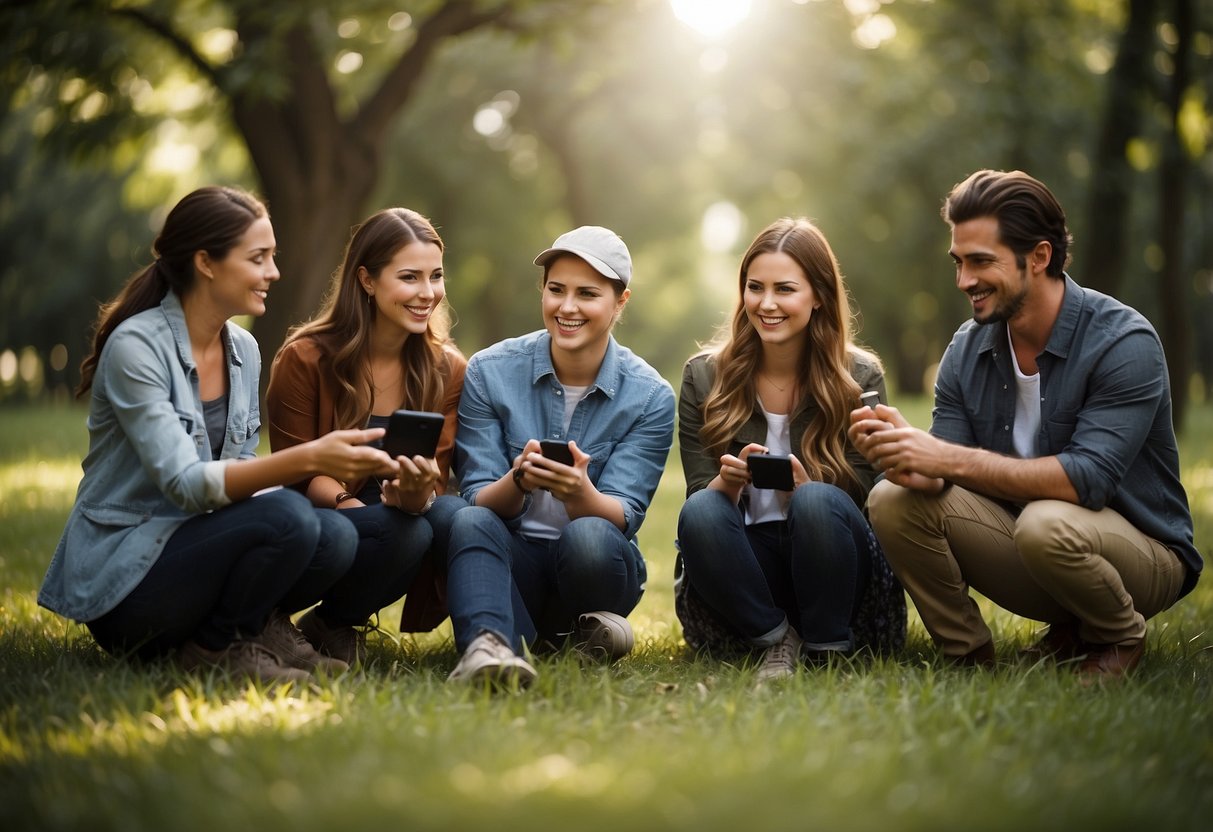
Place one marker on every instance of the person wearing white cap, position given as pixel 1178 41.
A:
pixel 546 552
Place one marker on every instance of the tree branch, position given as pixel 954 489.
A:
pixel 451 19
pixel 164 30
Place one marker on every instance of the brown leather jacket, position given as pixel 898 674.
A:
pixel 300 407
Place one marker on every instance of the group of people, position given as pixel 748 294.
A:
pixel 1049 480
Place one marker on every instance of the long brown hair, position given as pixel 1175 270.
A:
pixel 210 219
pixel 824 366
pixel 343 326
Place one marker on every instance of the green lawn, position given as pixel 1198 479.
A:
pixel 661 740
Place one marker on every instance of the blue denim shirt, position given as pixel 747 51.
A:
pixel 625 422
pixel 149 465
pixel 1105 411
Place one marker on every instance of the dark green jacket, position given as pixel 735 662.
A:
pixel 700 467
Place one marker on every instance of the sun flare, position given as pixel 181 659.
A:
pixel 711 18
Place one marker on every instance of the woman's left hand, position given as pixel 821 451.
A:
pixel 411 490
pixel 799 475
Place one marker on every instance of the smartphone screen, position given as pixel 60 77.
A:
pixel 771 471
pixel 413 433
pixel 558 451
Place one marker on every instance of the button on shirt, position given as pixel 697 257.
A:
pixel 1105 411
pixel 625 422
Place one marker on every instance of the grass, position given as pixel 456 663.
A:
pixel 661 740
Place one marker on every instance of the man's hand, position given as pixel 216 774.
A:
pixel 909 457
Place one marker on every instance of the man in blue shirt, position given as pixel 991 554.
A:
pixel 1049 480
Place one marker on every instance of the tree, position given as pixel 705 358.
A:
pixel 317 145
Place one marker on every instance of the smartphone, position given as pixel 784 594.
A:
pixel 870 399
pixel 558 451
pixel 413 433
pixel 771 471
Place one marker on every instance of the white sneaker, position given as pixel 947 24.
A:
pixel 781 659
pixel 489 659
pixel 604 636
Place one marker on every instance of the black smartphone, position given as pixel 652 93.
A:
pixel 870 399
pixel 413 433
pixel 558 451
pixel 771 471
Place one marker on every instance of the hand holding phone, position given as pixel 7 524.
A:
pixel 556 451
pixel 413 433
pixel 870 399
pixel 772 471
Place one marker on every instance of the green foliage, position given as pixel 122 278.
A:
pixel 661 740
pixel 613 113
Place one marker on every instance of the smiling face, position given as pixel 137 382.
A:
pixel 987 271
pixel 778 299
pixel 408 289
pixel 240 282
pixel 580 305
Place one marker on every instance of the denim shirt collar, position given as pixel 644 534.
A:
pixel 607 379
pixel 174 316
pixel 1062 336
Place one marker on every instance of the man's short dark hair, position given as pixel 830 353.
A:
pixel 1026 210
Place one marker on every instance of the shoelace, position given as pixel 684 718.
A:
pixel 783 654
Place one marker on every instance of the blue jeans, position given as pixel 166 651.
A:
pixel 524 589
pixel 391 548
pixel 221 574
pixel 808 571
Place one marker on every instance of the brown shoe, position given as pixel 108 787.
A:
pixel 240 658
pixel 1060 642
pixel 283 638
pixel 980 657
pixel 1109 662
pixel 341 642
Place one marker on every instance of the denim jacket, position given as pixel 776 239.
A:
pixel 625 422
pixel 149 466
pixel 1105 411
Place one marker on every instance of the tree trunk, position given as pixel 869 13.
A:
pixel 1105 250
pixel 1173 293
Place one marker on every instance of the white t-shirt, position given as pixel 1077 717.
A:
pixel 546 517
pixel 767 504
pixel 1027 408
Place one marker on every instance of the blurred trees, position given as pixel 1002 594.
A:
pixel 860 114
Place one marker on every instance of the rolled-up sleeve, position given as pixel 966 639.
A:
pixel 1102 440
pixel 632 472
pixel 138 386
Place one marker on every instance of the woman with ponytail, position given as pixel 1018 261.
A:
pixel 795 573
pixel 380 343
pixel 171 548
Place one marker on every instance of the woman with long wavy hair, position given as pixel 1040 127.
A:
pixel 795 573
pixel 380 343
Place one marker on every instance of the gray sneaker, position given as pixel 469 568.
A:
pixel 240 658
pixel 603 636
pixel 343 642
pixel 490 660
pixel 284 639
pixel 781 659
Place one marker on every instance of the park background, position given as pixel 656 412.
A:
pixel 685 126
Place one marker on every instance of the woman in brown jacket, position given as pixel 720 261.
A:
pixel 788 567
pixel 380 343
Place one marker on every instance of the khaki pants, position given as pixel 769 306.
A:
pixel 1056 562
